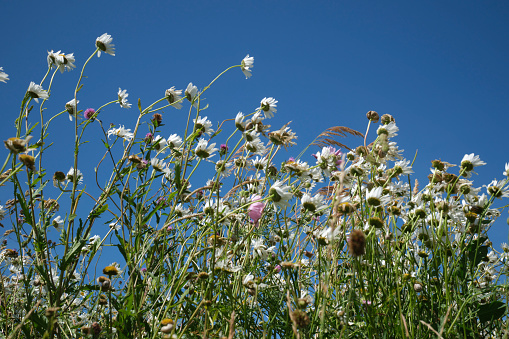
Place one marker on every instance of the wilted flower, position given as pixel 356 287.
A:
pixel 104 44
pixel 36 92
pixel 357 243
pixel 17 145
pixel 70 106
pixel 3 76
pixel 122 98
pixel 246 65
pixel 27 160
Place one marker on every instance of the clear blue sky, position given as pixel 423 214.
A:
pixel 440 67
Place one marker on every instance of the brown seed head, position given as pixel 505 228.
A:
pixel 372 116
pixel 357 243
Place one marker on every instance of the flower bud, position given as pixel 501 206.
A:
pixel 372 116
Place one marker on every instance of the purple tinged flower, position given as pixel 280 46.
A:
pixel 143 270
pixel 89 113
pixel 277 268
pixel 149 137
pixel 255 210
pixel 223 149
pixel 291 159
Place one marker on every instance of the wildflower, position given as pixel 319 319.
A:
pixel 17 145
pixel 256 146
pixel 223 149
pixel 3 212
pixel 115 225
pixel 280 194
pixel 70 176
pixel 89 113
pixel 104 282
pixel 122 98
pixel 496 189
pixel 36 92
pixel 70 106
pixel 58 177
pixel 58 222
pixel 260 250
pixel 104 44
pixel 284 136
pixel 387 118
pixel 191 92
pixel 27 160
pixel 372 116
pixel 470 161
pixel 174 141
pixel 112 269
pixel 255 210
pixel 61 61
pixel 203 150
pixel 375 198
pixel 357 243
pixel 312 204
pixel 158 165
pixel 268 106
pixel 506 172
pixel 121 132
pixel 148 138
pixel 3 75
pixel 157 120
pixel 390 129
pixel 94 239
pixel 260 163
pixel 174 97
pixel 202 124
pixel 246 65
pixel 239 122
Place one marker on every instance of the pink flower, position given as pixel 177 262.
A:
pixel 255 210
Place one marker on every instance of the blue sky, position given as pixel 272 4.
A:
pixel 440 68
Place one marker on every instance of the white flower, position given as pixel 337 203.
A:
pixel 94 239
pixel 403 167
pixel 268 106
pixel 122 98
pixel 246 65
pixel 191 92
pixel 116 225
pixel 174 141
pixel 312 204
pixel 260 250
pixel 121 132
pixel 174 96
pixel 203 150
pixel 58 222
pixel 496 189
pixel 391 130
pixel 280 194
pixel 160 143
pixel 159 165
pixel 70 106
pixel 506 172
pixel 239 122
pixel 71 173
pixel 260 163
pixel 375 198
pixel 3 76
pixel 36 92
pixel 256 146
pixel 204 125
pixel 61 61
pixel 470 161
pixel 104 44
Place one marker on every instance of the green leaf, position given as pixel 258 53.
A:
pixel 98 211
pixel 491 311
pixel 477 255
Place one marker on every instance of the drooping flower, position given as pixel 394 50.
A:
pixel 36 92
pixel 268 106
pixel 3 76
pixel 204 150
pixel 70 106
pixel 121 132
pixel 58 222
pixel 191 92
pixel 239 122
pixel 255 210
pixel 17 145
pixel 174 141
pixel 122 98
pixel 174 96
pixel 70 176
pixel 246 65
pixel 391 130
pixel 470 161
pixel 160 144
pixel 104 44
pixel 506 171
pixel 260 250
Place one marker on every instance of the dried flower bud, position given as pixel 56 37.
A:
pixel 357 243
pixel 28 161
pixel 59 176
pixel 17 145
pixel 301 318
pixel 387 118
pixel 157 119
pixel 372 116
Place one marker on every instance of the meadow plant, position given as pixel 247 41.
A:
pixel 217 233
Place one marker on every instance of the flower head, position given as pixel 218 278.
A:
pixel 36 92
pixel 70 106
pixel 246 65
pixel 506 172
pixel 255 210
pixel 61 61
pixel 121 132
pixel 122 98
pixel 204 125
pixel 104 44
pixel 3 76
pixel 89 113
pixel 391 130
pixel 17 145
pixel 58 222
pixel 268 106
pixel 174 96
pixel 470 161
pixel 280 194
pixel 191 92
pixel 70 176
pixel 357 243
pixel 204 150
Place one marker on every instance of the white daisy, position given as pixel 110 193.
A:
pixel 470 161
pixel 239 122
pixel 71 173
pixel 122 98
pixel 246 65
pixel 191 92
pixel 121 132
pixel 204 125
pixel 70 106
pixel 375 197
pixel 3 76
pixel 204 150
pixel 61 61
pixel 3 212
pixel 312 204
pixel 160 144
pixel 174 141
pixel 36 92
pixel 268 106
pixel 174 96
pixel 260 250
pixel 58 222
pixel 280 194
pixel 391 130
pixel 104 44
pixel 506 172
